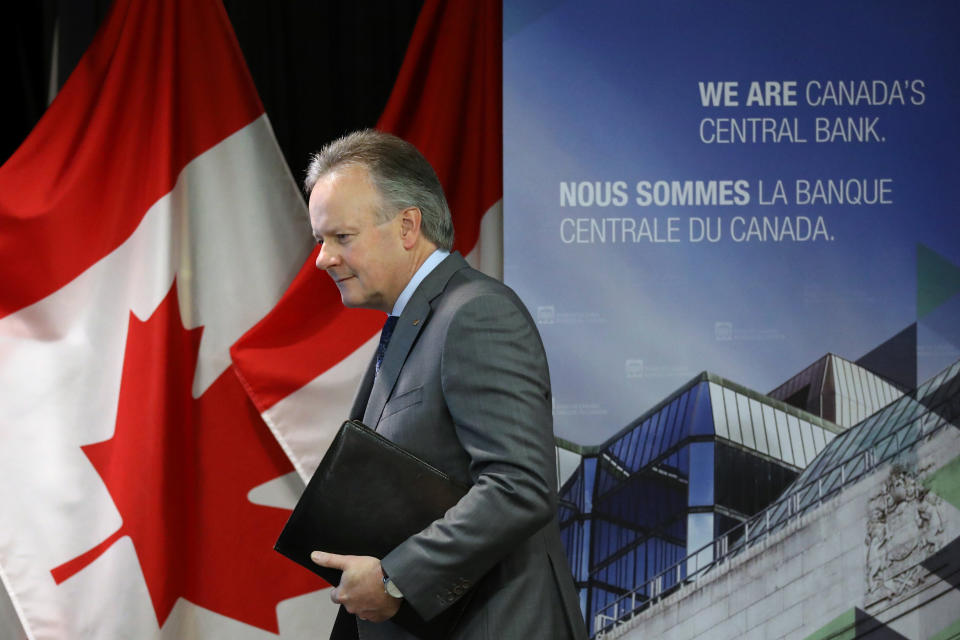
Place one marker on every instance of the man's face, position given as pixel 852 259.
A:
pixel 365 258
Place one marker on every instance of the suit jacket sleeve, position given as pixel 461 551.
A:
pixel 496 386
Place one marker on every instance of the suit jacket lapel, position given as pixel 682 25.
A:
pixel 411 322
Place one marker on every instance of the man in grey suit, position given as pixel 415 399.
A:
pixel 463 384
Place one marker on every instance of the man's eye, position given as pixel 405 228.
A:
pixel 343 237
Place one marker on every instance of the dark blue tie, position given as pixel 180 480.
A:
pixel 385 334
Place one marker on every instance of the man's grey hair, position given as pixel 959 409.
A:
pixel 399 172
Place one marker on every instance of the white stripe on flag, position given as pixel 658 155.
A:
pixel 306 421
pixel 64 357
pixel 487 254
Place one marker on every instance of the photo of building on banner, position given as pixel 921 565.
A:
pixel 735 226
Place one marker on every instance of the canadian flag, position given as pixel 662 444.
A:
pixel 147 222
pixel 146 226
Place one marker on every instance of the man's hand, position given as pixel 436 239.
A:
pixel 361 586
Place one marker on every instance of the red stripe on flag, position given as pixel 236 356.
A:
pixel 155 89
pixel 307 332
pixel 447 102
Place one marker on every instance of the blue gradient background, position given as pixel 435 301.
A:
pixel 609 91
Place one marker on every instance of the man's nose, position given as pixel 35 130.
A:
pixel 326 257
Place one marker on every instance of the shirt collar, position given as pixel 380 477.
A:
pixel 428 265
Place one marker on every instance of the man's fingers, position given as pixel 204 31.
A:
pixel 329 560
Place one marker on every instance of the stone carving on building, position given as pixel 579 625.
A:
pixel 904 529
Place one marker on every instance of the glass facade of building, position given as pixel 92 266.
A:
pixel 695 466
pixel 877 439
pixel 838 390
pixel 887 436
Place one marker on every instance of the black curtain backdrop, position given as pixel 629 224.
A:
pixel 322 68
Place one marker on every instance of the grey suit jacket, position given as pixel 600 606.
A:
pixel 464 385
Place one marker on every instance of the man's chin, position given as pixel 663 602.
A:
pixel 347 297
pixel 348 302
pixel 353 302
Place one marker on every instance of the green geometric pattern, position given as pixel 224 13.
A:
pixel 938 280
pixel 843 627
pixel 950 633
pixel 945 482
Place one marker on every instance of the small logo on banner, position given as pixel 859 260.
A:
pixel 546 314
pixel 723 330
pixel 634 368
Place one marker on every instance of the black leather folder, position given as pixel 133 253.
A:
pixel 367 496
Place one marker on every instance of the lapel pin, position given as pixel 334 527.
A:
pixel 416 322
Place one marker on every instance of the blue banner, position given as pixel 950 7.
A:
pixel 737 187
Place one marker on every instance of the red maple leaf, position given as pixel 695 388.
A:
pixel 179 471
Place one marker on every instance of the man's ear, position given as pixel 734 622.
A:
pixel 410 219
